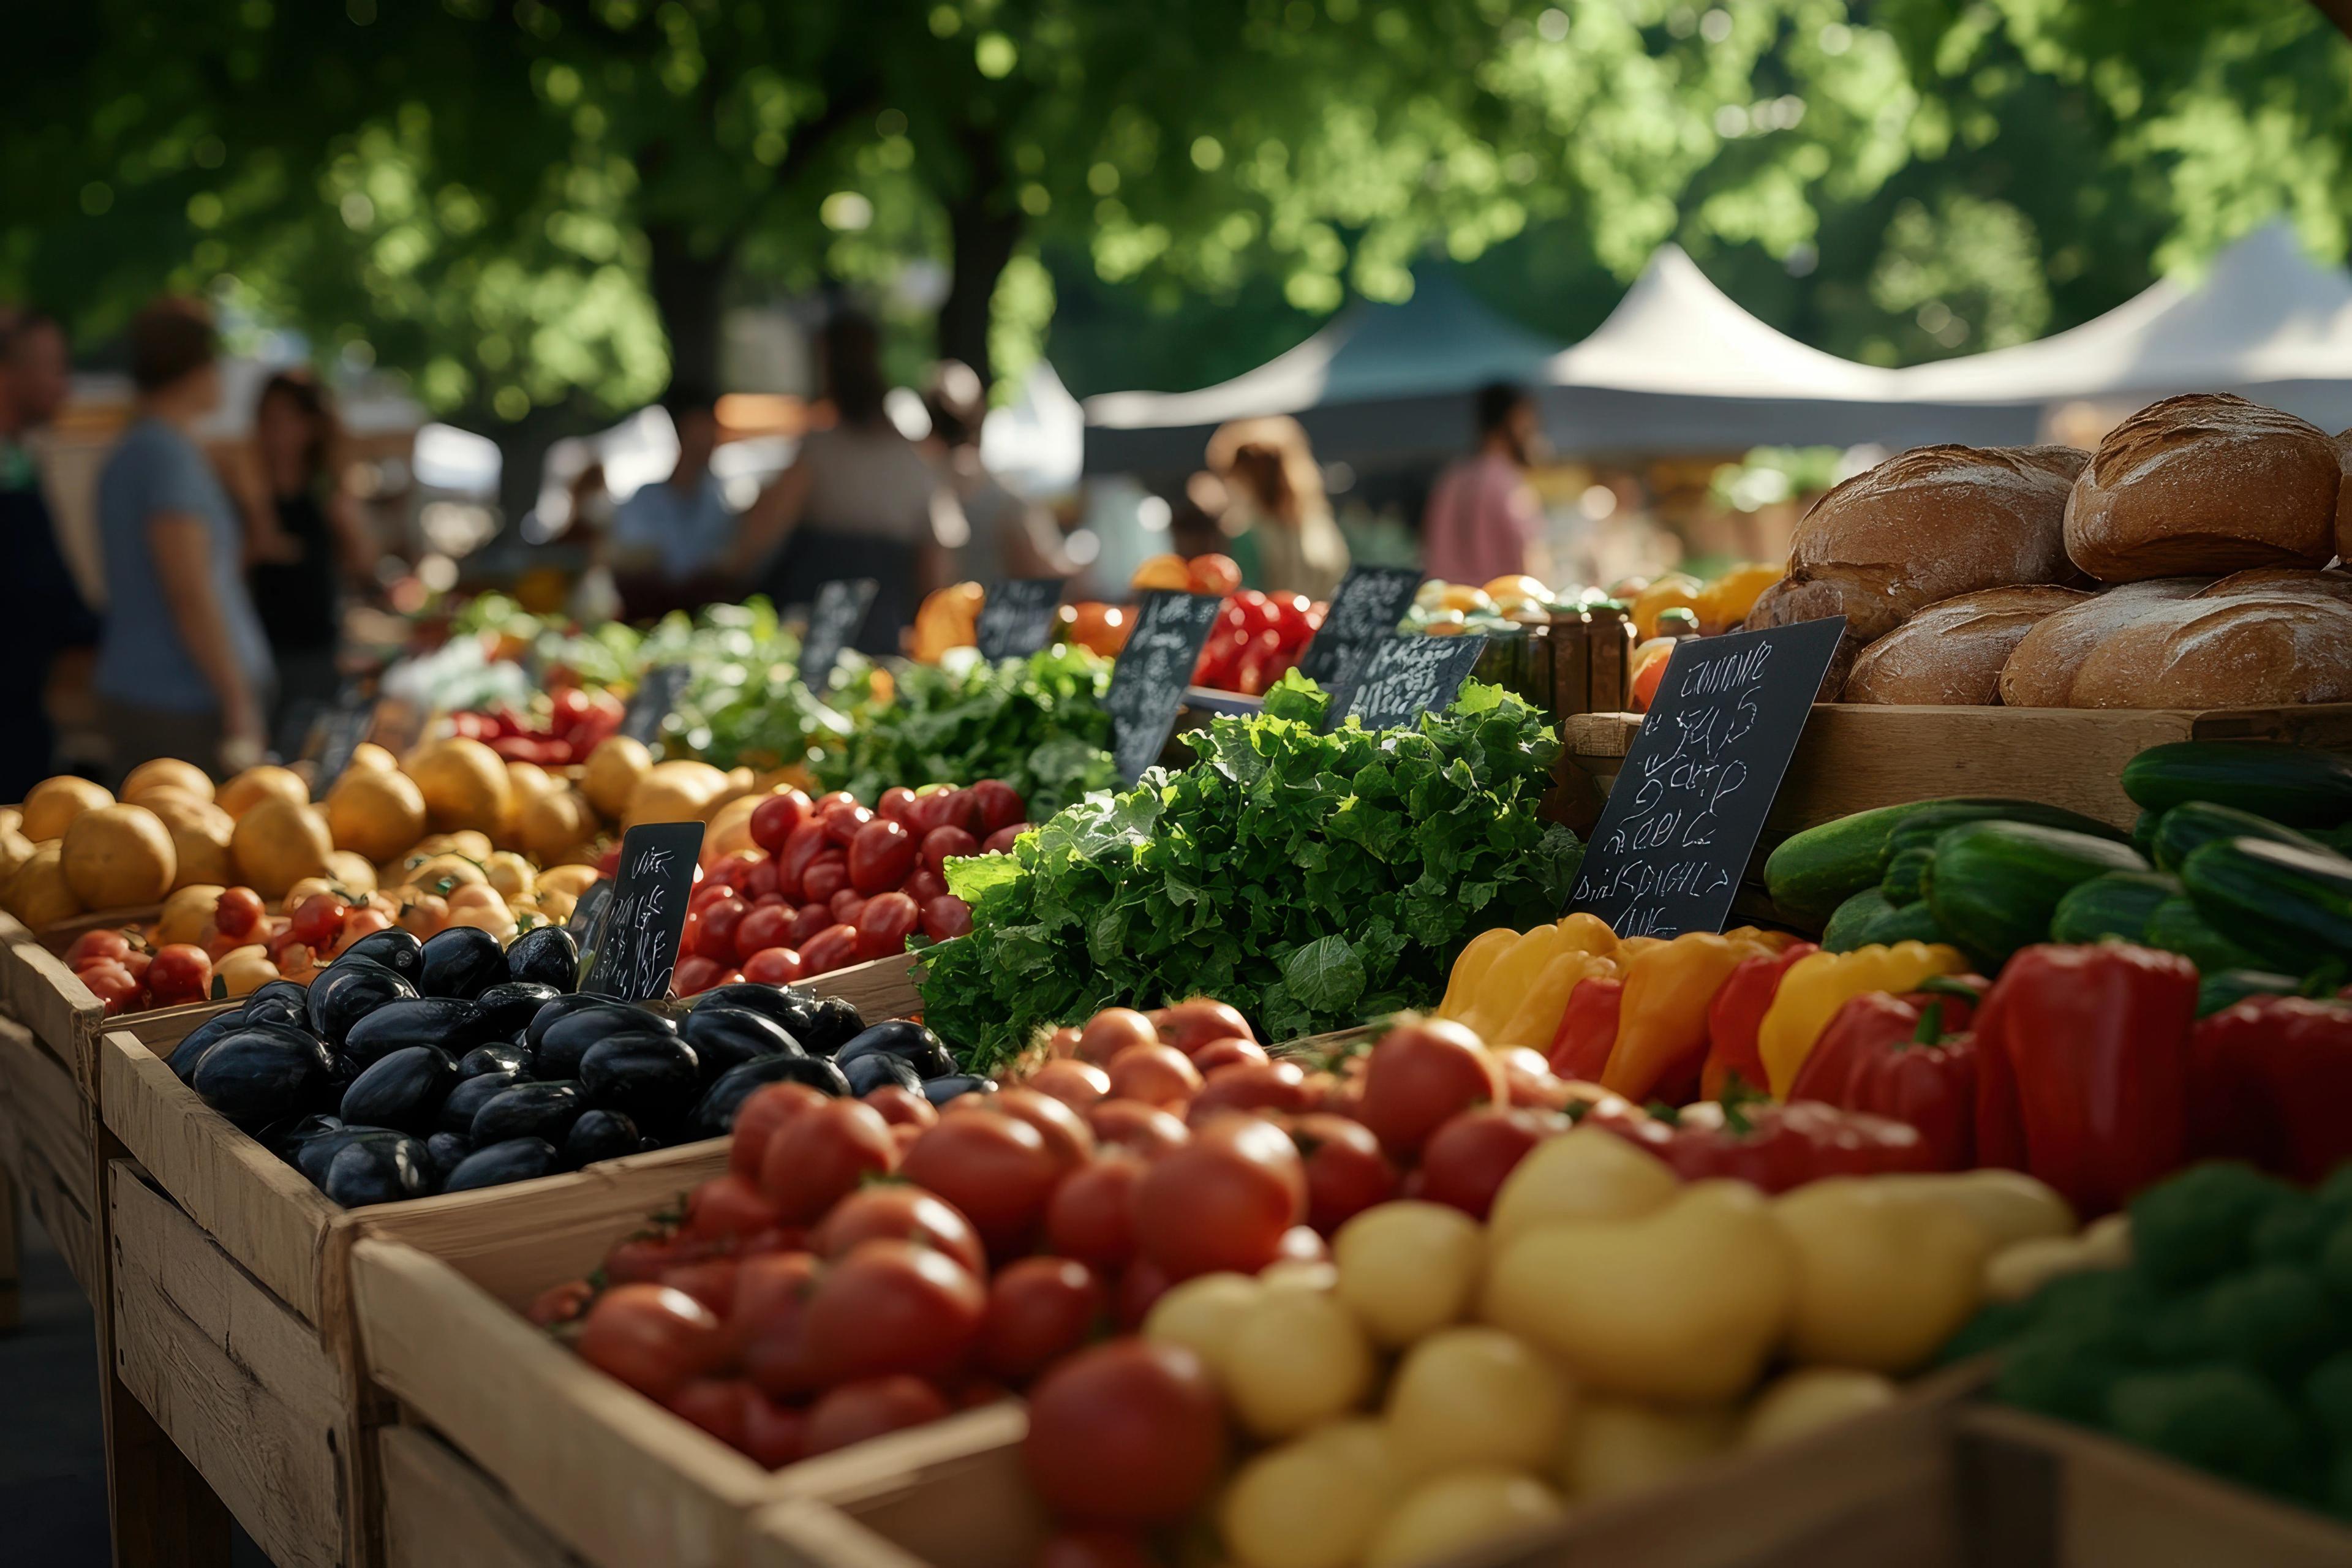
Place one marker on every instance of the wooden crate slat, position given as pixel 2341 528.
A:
pixel 441 1512
pixel 45 1140
pixel 882 988
pixel 50 1000
pixel 811 1535
pixel 958 1504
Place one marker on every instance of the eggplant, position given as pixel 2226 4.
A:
pixel 499 1056
pixel 652 1076
pixel 545 955
pixel 281 990
pixel 714 1113
pixel 558 1051
pixel 788 1005
pixel 462 961
pixel 876 1068
pixel 723 1037
pixel 509 1007
pixel 314 1154
pixel 349 991
pixel 441 1022
pixel 402 1089
pixel 262 1073
pixel 599 1134
pixel 904 1038
pixel 527 1110
pixel 832 1023
pixel 443 1150
pixel 184 1056
pixel 278 1010
pixel 396 950
pixel 285 1138
pixel 378 1171
pixel 469 1096
pixel 496 1164
pixel 939 1091
pixel 552 1013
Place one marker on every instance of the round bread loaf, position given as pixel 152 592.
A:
pixel 1952 652
pixel 2253 649
pixel 2041 669
pixel 2205 483
pixel 1786 602
pixel 2330 584
pixel 1936 523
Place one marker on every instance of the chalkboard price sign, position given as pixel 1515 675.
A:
pixel 341 731
pixel 1018 617
pixel 637 948
pixel 1685 811
pixel 1147 683
pixel 834 621
pixel 650 703
pixel 1364 612
pixel 1404 677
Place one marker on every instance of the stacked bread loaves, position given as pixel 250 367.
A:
pixel 2037 577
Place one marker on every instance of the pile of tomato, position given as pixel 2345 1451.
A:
pixel 576 722
pixel 833 883
pixel 1257 638
pixel 127 975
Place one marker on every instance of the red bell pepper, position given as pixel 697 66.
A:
pixel 1588 1030
pixel 1894 1056
pixel 2269 1079
pixel 2082 1070
pixel 1736 1014
pixel 1748 1138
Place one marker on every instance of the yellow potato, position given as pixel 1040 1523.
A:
pixel 51 805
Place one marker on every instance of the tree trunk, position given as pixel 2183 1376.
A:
pixel 687 289
pixel 983 227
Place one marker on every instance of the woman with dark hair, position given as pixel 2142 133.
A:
pixel 859 500
pixel 303 534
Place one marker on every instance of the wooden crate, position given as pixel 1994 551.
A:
pixel 441 1512
pixel 45 1151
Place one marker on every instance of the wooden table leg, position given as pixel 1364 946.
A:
pixel 12 1255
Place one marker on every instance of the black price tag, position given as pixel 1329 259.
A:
pixel 649 705
pixel 1366 611
pixel 1404 677
pixel 341 732
pixel 637 948
pixel 1687 807
pixel 1147 684
pixel 1018 617
pixel 834 621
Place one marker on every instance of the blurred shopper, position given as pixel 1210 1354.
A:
pixel 669 542
pixel 306 536
pixel 184 668
pixel 41 610
pixel 859 500
pixel 1484 521
pixel 1005 536
pixel 1278 519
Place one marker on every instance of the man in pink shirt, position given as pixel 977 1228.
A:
pixel 1484 521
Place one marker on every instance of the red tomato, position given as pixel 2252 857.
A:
pixel 858 1411
pixel 999 804
pixel 1067 1136
pixel 1228 1053
pixel 995 1170
pixel 1213 573
pixel 182 971
pixel 842 820
pixel 764 1112
pixel 769 1327
pixel 773 819
pixel 894 1307
pixel 727 977
pixel 1345 1172
pixel 139 962
pixel 758 880
pixel 1465 1162
pixel 1130 1124
pixel 319 919
pixel 774 1434
pixel 716 1405
pixel 705 894
pixel 1156 1075
pixel 728 1208
pixel 111 984
pixel 895 803
pixel 640 1260
pixel 1128 1433
pixel 695 976
pixel 1187 1025
pixel 880 855
pixel 885 924
pixel 827 875
pixel 237 912
pixel 845 905
pixel 834 798
pixel 560 1303
pixel 1251 1086
pixel 946 916
pixel 805 842
pixel 96 946
pixel 732 869
pixel 923 884
pixel 1091 1215
pixel 899 1213
pixel 1000 841
pixel 901 1107
pixel 942 844
pixel 1039 1310
pixel 1076 1084
pixel 957 809
pixel 807 920
pixel 1222 1201
pixel 709 1280
pixel 1111 1031
pixel 1093 1549
pixel 652 1338
pixel 1422 1074
pixel 818 1158
pixel 720 919
pixel 1139 1289
pixel 834 947
pixel 773 966
pixel 1301 1244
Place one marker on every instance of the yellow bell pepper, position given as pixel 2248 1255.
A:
pixel 1725 602
pixel 1817 985
pixel 1675 591
pixel 1509 987
pixel 1661 1020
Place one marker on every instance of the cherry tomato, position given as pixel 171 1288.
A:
pixel 1067 1136
pixel 1000 841
pixel 885 924
pixel 1140 1289
pixel 730 869
pixel 1420 1076
pixel 994 1170
pixel 999 804
pixel 694 976
pixel 652 1338
pixel 112 985
pixel 942 844
pixel 880 856
pixel 1090 1216
pixel 899 1213
pixel 834 798
pixel 1144 1129
pixel 1251 1086
pixel 773 966
pixel 1227 1053
pixel 1156 1075
pixel 769 1327
pixel 827 875
pixel 562 1303
pixel 923 885
pixel 717 1404
pixel 1039 1310
pixel 819 1157
pixel 897 802
pixel 359 923
pixel 758 880
pixel 1222 1201
pixel 1128 1433
pixel 894 1307
pixel 709 1280
pixel 835 947
pixel 774 1434
pixel 807 920
pixel 1189 1025
pixel 239 911
pixel 957 809
pixel 763 926
pixel 95 946
pixel 764 1112
pixel 720 919
pixel 1345 1172
pixel 640 1260
pixel 705 894
pixel 773 819
pixel 1076 1084
pixel 182 971
pixel 842 820
pixel 139 961
pixel 319 919
pixel 1466 1160
pixel 858 1411
pixel 1113 1030
pixel 727 1208
pixel 805 842
pixel 845 905
pixel 946 916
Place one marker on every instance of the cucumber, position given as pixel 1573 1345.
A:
pixel 2193 824
pixel 1913 922
pixel 2117 904
pixel 1811 873
pixel 2290 784
pixel 2292 905
pixel 1852 918
pixel 1997 884
pixel 1907 875
pixel 2178 926
pixel 2143 834
pixel 2232 986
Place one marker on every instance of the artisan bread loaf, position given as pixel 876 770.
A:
pixel 2041 669
pixel 2206 483
pixel 1935 523
pixel 2254 648
pixel 2330 584
pixel 1786 602
pixel 1953 652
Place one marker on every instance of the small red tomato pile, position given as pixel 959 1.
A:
pixel 127 975
pixel 1257 638
pixel 576 721
pixel 833 883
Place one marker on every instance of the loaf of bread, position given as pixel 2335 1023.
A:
pixel 1786 602
pixel 1953 652
pixel 1935 523
pixel 2205 484
pixel 2251 650
pixel 2041 669
pixel 2330 584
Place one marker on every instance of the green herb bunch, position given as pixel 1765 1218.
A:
pixel 1311 880
pixel 1038 723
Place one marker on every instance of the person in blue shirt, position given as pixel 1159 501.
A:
pixel 41 611
pixel 183 670
pixel 670 540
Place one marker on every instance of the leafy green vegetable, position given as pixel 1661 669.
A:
pixel 1311 880
pixel 1038 723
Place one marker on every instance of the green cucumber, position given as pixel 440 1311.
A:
pixel 1997 884
pixel 1907 875
pixel 1922 831
pixel 2143 834
pixel 1811 873
pixel 2292 905
pixel 2177 925
pixel 1913 922
pixel 2231 986
pixel 2290 784
pixel 2193 824
pixel 1852 918
pixel 2116 904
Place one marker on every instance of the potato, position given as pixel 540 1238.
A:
pixel 1295 1361
pixel 1472 1396
pixel 1408 1268
pixel 51 805
pixel 117 857
pixel 1584 1173
pixel 1310 1503
pixel 1445 1517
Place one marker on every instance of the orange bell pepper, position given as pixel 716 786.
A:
pixel 1662 1031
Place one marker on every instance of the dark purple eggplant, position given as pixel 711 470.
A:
pixel 904 1038
pixel 499 1056
pixel 558 1051
pixel 349 990
pixel 285 1138
pixel 599 1134
pixel 509 1007
pixel 788 1005
pixel 461 961
pixel 279 1009
pixel 714 1113
pixel 262 1073
pixel 442 1022
pixel 443 1150
pixel 281 990
pixel 650 1075
pixel 182 1058
pixel 545 955
pixel 396 950
pixel 875 1068
pixel 496 1164
pixel 402 1089
pixel 469 1096
pixel 554 1012
pixel 723 1037
pixel 527 1110
pixel 378 1171
pixel 939 1091
pixel 314 1154
pixel 832 1023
